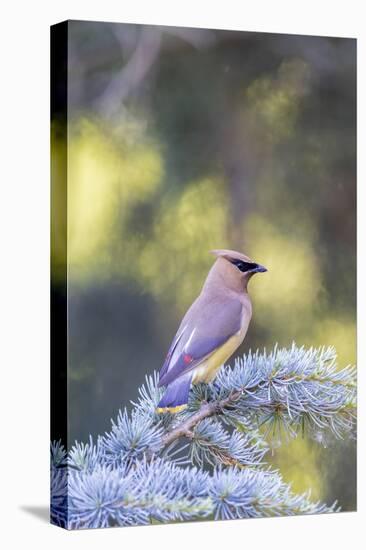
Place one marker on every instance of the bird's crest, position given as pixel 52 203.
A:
pixel 230 255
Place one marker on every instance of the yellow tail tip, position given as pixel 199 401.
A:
pixel 172 410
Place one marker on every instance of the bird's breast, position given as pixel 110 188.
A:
pixel 207 370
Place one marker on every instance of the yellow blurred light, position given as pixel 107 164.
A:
pixel 338 332
pixel 273 102
pixel 106 179
pixel 298 461
pixel 58 206
pixel 289 292
pixel 186 229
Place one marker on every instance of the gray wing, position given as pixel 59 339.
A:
pixel 205 327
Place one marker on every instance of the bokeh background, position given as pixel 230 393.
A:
pixel 184 140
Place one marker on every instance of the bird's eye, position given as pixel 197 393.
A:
pixel 243 266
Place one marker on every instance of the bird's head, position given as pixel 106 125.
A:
pixel 236 268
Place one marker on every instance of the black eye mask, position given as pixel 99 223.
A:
pixel 244 266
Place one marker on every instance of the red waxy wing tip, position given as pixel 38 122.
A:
pixel 187 358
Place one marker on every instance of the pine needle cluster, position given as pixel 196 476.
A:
pixel 208 461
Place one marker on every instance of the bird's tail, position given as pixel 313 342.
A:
pixel 175 398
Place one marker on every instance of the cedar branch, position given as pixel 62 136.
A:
pixel 205 411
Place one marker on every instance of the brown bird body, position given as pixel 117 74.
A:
pixel 212 329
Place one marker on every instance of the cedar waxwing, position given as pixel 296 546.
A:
pixel 212 329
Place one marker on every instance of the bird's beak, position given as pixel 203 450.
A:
pixel 259 269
